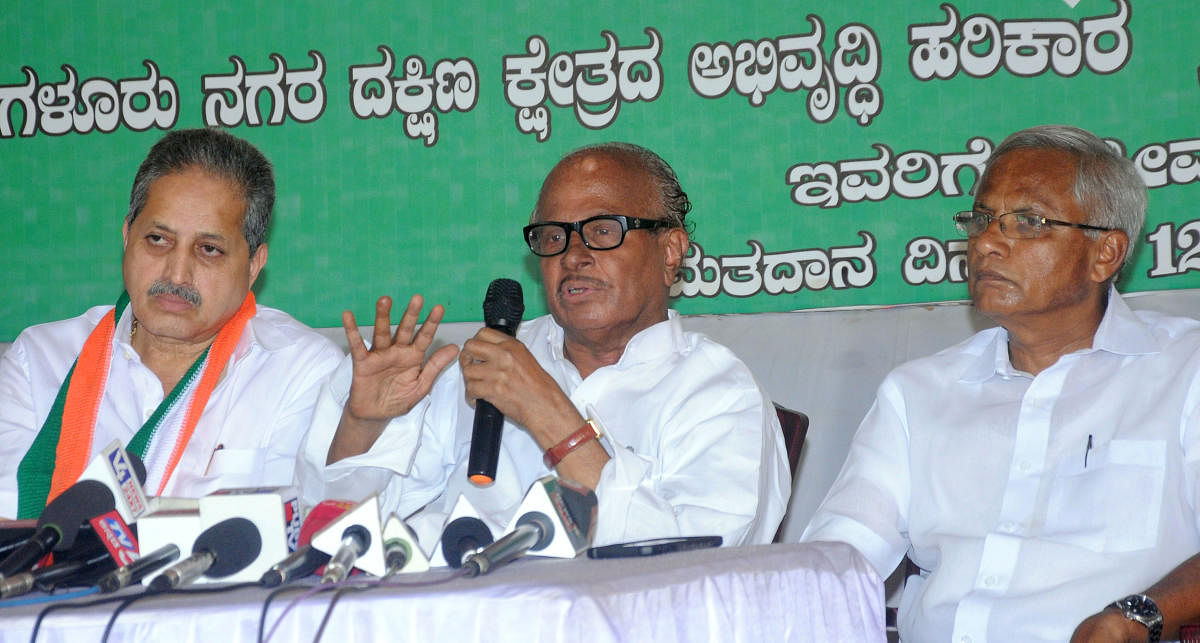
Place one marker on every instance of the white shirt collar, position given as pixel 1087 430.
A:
pixel 1120 332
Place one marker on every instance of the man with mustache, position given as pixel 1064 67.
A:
pixel 1044 475
pixel 669 428
pixel 210 389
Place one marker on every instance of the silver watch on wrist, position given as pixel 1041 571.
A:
pixel 1140 608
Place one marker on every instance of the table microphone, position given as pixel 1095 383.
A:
pixel 401 551
pixel 306 559
pixel 65 572
pixel 557 517
pixel 503 307
pixel 534 531
pixel 59 524
pixel 137 570
pixel 221 550
pixel 463 535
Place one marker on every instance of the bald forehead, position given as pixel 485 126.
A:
pixel 601 172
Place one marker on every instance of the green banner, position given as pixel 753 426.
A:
pixel 825 146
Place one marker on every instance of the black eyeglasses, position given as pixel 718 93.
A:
pixel 1020 224
pixel 601 232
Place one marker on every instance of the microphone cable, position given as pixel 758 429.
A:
pixel 126 601
pixel 47 598
pixel 37 623
pixel 354 583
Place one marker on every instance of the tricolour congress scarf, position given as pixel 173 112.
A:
pixel 61 450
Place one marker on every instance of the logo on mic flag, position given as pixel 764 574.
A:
pixel 116 536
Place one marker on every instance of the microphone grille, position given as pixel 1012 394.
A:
pixel 234 543
pixel 504 302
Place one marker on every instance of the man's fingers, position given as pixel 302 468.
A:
pixel 440 359
pixel 354 340
pixel 408 321
pixel 383 325
pixel 424 336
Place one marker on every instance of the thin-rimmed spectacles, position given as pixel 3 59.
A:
pixel 601 232
pixel 1019 224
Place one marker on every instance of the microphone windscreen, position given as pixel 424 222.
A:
pixel 80 502
pixel 234 542
pixel 139 467
pixel 461 536
pixel 504 304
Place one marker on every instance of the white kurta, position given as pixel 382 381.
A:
pixel 696 446
pixel 248 435
pixel 1030 502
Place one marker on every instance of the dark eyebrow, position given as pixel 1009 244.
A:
pixel 209 236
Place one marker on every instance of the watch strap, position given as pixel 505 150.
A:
pixel 1143 609
pixel 589 431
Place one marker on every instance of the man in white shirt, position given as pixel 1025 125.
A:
pixel 1044 474
pixel 211 390
pixel 690 445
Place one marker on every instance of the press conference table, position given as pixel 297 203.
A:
pixel 785 592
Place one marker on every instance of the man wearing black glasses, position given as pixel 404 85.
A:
pixel 669 428
pixel 1044 475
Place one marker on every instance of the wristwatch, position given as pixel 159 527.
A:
pixel 1140 608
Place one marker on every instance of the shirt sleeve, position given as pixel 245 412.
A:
pixel 18 422
pixel 867 507
pixel 720 469
pixel 407 465
pixel 294 415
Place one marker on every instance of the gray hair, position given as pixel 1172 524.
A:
pixel 222 155
pixel 673 201
pixel 1107 185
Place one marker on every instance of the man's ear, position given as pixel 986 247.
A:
pixel 674 246
pixel 1108 255
pixel 125 235
pixel 257 261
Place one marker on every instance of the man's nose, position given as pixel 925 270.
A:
pixel 180 264
pixel 577 251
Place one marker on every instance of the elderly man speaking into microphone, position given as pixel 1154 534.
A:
pixel 669 428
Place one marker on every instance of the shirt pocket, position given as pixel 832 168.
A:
pixel 237 463
pixel 1114 503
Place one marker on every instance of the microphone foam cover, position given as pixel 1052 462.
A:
pixel 234 543
pixel 81 501
pixel 504 304
pixel 462 535
pixel 139 467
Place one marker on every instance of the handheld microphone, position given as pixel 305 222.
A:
pixel 353 540
pixel 556 518
pixel 137 570
pixel 221 550
pixel 59 524
pixel 503 306
pixel 306 559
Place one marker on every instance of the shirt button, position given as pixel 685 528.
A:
pixel 965 639
pixel 1025 466
pixel 991 581
pixel 1008 527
